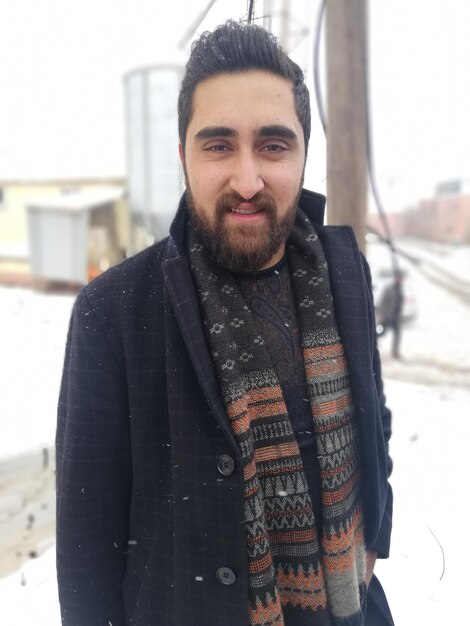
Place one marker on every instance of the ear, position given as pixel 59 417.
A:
pixel 181 153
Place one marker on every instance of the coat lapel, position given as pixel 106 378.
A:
pixel 183 298
pixel 351 309
pixel 355 318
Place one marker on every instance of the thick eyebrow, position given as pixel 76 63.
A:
pixel 273 130
pixel 212 132
pixel 277 130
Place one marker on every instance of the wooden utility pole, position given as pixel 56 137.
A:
pixel 346 58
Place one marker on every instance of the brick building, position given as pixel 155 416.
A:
pixel 444 218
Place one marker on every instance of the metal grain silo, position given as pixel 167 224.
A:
pixel 154 173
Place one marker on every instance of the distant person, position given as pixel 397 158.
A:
pixel 222 441
pixel 389 312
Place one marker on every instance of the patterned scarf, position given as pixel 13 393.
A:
pixel 288 564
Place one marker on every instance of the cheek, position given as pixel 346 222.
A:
pixel 288 180
pixel 201 189
pixel 205 179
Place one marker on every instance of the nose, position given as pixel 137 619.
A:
pixel 246 178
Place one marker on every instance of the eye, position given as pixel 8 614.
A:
pixel 217 148
pixel 274 147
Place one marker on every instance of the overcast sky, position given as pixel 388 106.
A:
pixel 61 89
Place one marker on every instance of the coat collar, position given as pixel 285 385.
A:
pixel 183 297
pixel 354 316
pixel 348 290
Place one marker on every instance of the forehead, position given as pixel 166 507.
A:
pixel 244 100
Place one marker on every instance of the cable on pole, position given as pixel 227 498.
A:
pixel 251 11
pixel 373 181
pixel 388 239
pixel 195 25
pixel 316 65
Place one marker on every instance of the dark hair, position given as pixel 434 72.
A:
pixel 233 48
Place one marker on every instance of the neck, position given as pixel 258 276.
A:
pixel 275 259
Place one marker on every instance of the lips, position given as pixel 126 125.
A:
pixel 245 208
pixel 245 211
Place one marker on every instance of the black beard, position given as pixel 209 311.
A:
pixel 243 247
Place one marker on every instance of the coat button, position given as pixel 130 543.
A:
pixel 225 464
pixel 225 575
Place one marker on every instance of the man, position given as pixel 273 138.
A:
pixel 389 312
pixel 222 435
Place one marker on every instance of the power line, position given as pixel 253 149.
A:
pixel 431 271
pixel 316 65
pixel 251 11
pixel 370 157
pixel 193 27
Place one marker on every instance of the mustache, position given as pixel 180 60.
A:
pixel 232 200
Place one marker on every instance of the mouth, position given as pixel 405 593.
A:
pixel 245 208
pixel 242 213
pixel 245 211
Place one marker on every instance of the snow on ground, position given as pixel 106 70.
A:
pixel 33 328
pixel 29 596
pixel 425 583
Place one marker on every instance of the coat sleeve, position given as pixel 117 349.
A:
pixel 382 542
pixel 93 475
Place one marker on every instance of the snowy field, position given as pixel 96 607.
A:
pixel 33 328
pixel 426 577
pixel 428 391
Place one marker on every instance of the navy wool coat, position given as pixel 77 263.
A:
pixel 147 511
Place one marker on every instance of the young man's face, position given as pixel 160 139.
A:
pixel 244 162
